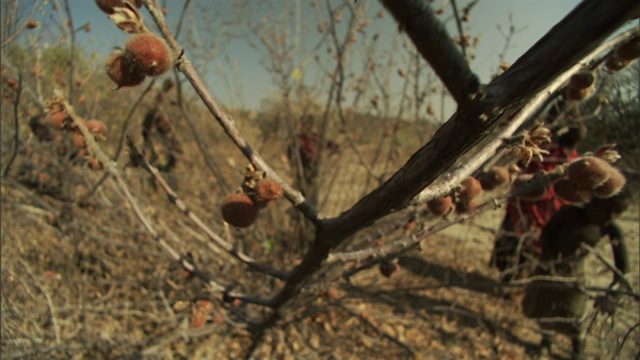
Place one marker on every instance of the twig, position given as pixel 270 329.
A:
pixel 211 163
pixel 183 14
pixel 125 125
pixel 541 180
pixel 139 160
pixel 111 168
pixel 72 51
pixel 624 339
pixel 184 65
pixel 609 265
pixel 12 37
pixel 52 309
pixel 16 134
pixel 378 331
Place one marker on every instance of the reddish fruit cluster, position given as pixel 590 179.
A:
pixel 59 120
pixel 623 55
pixel 10 82
pixel 587 177
pixel 9 86
pixel 108 5
pixel 145 55
pixel 241 210
pixel 268 191
pixel 496 176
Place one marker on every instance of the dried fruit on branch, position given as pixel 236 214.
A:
pixel 239 210
pixel 267 192
pixel 495 177
pixel 149 53
pixel 571 192
pixel 97 128
pixel 471 188
pixel 123 71
pixel 612 186
pixel 389 268
pixel 58 119
pixel 440 206
pixel 589 172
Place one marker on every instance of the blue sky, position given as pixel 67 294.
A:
pixel 532 20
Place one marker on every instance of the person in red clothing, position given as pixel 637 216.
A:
pixel 524 220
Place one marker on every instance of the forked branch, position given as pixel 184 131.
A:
pixel 141 162
pixel 184 65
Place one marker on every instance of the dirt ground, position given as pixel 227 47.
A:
pixel 90 285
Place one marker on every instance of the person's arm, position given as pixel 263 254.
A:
pixel 620 255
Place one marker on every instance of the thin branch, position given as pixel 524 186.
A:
pixel 183 14
pixel 111 168
pixel 540 181
pixel 184 65
pixel 12 37
pixel 125 125
pixel 211 163
pixel 456 15
pixel 218 240
pixel 72 49
pixel 609 265
pixel 16 124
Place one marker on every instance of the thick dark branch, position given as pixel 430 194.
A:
pixel 471 124
pixel 417 19
pixel 567 42
pixel 466 128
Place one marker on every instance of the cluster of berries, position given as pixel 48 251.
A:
pixel 241 209
pixel 45 126
pixel 588 177
pixel 582 84
pixel 144 54
pixel 471 187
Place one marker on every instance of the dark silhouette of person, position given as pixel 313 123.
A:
pixel 560 304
